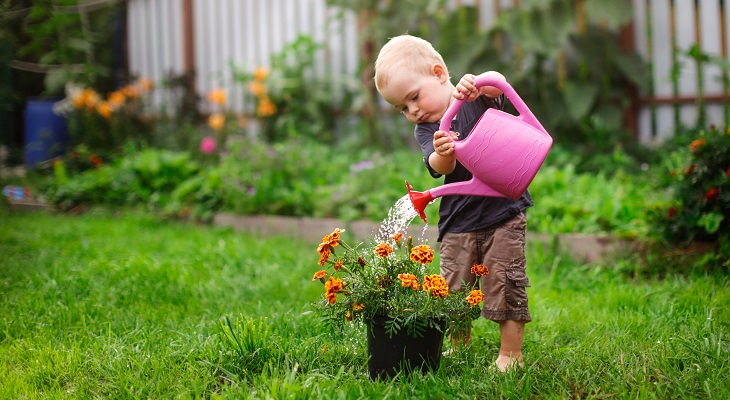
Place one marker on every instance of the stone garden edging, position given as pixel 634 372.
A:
pixel 586 248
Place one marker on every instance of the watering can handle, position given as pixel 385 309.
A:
pixel 483 80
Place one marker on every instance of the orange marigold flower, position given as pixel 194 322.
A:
pixel 479 270
pixel 91 99
pixel 260 73
pixel 409 280
pixel 332 287
pixel 333 239
pixel 475 297
pixel 397 237
pixel 436 286
pixel 319 275
pixel 358 306
pixel 324 255
pixel 696 145
pixel 712 194
pixel 217 121
pixel 348 316
pixel 422 253
pixel 104 109
pixel 338 265
pixel 383 250
pixel 217 96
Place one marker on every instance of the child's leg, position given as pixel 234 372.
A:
pixel 510 351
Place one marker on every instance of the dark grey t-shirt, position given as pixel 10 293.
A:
pixel 459 213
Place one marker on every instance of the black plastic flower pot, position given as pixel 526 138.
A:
pixel 402 353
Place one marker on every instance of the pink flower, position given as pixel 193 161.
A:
pixel 208 145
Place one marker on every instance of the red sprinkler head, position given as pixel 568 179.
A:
pixel 419 200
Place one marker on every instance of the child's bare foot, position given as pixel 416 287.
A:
pixel 507 362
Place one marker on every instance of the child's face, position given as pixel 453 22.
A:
pixel 420 97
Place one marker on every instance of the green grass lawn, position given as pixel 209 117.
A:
pixel 130 307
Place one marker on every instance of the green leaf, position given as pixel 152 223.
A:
pixel 615 13
pixel 579 98
pixel 710 221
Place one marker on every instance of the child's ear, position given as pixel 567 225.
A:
pixel 439 72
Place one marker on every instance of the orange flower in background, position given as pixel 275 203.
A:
pixel 117 99
pixel 479 270
pixel 436 286
pixel 257 89
pixel 104 109
pixel 260 73
pixel 96 160
pixel 326 248
pixel 217 121
pixel 409 280
pixel 697 145
pixel 338 265
pixel 145 84
pixel 422 253
pixel 672 212
pixel 217 96
pixel 85 98
pixel 475 297
pixel 358 307
pixel 319 275
pixel 324 255
pixel 130 91
pixel 383 250
pixel 266 108
pixel 333 239
pixel 712 194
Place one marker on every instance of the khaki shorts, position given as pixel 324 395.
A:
pixel 502 250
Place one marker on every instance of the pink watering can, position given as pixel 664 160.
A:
pixel 503 152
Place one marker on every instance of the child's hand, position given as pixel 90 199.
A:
pixel 466 88
pixel 443 144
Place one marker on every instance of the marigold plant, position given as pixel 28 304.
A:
pixel 392 278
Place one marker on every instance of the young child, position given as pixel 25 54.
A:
pixel 412 76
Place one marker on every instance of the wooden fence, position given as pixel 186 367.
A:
pixel 683 41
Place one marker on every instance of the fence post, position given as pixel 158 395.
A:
pixel 188 35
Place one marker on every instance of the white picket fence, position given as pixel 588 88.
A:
pixel 245 33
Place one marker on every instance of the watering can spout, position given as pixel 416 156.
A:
pixel 419 200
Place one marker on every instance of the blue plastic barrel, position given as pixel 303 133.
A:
pixel 46 134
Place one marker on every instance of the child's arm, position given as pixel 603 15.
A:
pixel 466 88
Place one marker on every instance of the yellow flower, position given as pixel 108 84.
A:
pixel 266 108
pixel 217 96
pixel 217 121
pixel 479 270
pixel 475 297
pixel 104 109
pixel 422 254
pixel 91 99
pixel 383 250
pixel 358 306
pixel 260 73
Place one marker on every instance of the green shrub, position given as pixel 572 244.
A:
pixel 698 182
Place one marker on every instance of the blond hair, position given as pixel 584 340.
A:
pixel 406 52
